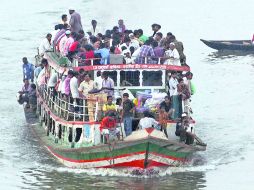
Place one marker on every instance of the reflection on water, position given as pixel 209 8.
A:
pixel 229 54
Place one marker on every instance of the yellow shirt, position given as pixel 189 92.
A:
pixel 107 107
pixel 85 87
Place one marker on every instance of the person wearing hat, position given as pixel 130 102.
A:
pixel 172 55
pixel 63 41
pixel 75 21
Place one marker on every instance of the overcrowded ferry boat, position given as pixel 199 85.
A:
pixel 118 99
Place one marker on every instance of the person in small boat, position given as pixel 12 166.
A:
pixel 107 84
pixel 45 44
pixel 109 106
pixel 127 114
pixel 155 29
pixel 75 21
pixel 28 70
pixel 108 126
pixel 147 121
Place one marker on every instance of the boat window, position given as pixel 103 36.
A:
pixel 129 78
pixel 152 78
pixel 113 75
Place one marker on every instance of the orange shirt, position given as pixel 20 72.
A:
pixel 108 123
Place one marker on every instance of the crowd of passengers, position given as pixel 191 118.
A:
pixel 118 45
pixel 113 46
pixel 74 87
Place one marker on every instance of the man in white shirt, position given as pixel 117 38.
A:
pixel 173 55
pixel 98 81
pixel 147 121
pixel 94 29
pixel 45 44
pixel 173 84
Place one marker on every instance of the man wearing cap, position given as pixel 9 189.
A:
pixel 172 55
pixel 63 41
pixel 75 21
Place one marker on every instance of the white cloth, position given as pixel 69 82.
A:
pixel 174 57
pixel 63 86
pixel 147 122
pixel 44 46
pixel 135 43
pixel 173 86
pixel 112 132
pixel 98 83
pixel 94 32
pixel 74 87
pixel 52 80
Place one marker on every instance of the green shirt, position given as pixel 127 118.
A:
pixel 143 38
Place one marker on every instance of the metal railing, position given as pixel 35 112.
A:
pixel 81 110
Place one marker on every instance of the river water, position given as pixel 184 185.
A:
pixel 222 105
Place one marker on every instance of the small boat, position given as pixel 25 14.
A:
pixel 233 45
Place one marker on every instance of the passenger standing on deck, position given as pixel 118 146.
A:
pixel 174 95
pixel 155 28
pixel 68 43
pixel 127 114
pixel 64 19
pixel 107 84
pixel 94 29
pixel 145 54
pixel 45 44
pixel 142 37
pixel 98 81
pixel 28 70
pixel 121 26
pixel 74 89
pixel 67 88
pixel 86 85
pixel 109 106
pixel 75 21
pixel 63 41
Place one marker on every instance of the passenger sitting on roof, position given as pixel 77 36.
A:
pixel 155 28
pixel 108 126
pixel 172 55
pixel 147 121
pixel 109 106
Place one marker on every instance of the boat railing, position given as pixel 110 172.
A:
pixel 78 61
pixel 83 110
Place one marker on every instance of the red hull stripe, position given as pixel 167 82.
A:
pixel 110 158
pixel 138 164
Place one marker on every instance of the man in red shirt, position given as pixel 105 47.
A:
pixel 108 126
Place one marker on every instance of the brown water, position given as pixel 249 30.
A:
pixel 222 105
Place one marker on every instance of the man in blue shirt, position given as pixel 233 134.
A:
pixel 28 70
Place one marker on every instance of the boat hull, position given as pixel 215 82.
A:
pixel 237 45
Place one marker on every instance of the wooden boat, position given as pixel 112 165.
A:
pixel 238 45
pixel 77 143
